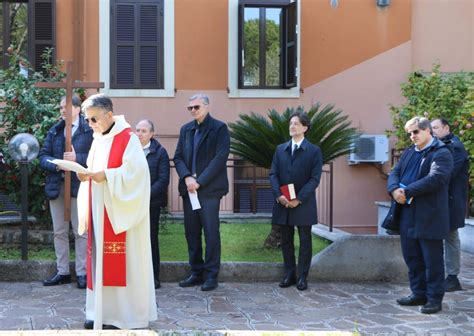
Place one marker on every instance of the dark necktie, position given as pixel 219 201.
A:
pixel 295 147
pixel 197 137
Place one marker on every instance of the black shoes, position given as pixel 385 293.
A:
pixel 57 279
pixel 412 300
pixel 431 308
pixel 287 281
pixel 81 281
pixel 89 324
pixel 209 284
pixel 192 280
pixel 452 284
pixel 302 284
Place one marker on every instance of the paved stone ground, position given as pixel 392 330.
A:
pixel 368 308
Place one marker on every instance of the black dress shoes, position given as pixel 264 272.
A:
pixel 452 284
pixel 209 285
pixel 287 281
pixel 57 279
pixel 157 284
pixel 81 281
pixel 431 308
pixel 302 284
pixel 192 280
pixel 412 300
pixel 89 324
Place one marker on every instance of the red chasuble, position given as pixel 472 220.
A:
pixel 114 257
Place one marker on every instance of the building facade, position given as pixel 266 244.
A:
pixel 256 55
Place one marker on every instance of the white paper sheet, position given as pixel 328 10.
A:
pixel 193 197
pixel 70 165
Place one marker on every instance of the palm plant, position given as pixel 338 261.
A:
pixel 255 138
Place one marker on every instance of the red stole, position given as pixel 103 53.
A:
pixel 114 253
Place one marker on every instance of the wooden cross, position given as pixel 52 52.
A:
pixel 69 85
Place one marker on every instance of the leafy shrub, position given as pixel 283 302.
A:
pixel 437 94
pixel 25 108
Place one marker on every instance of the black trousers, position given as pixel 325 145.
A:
pixel 288 249
pixel 195 222
pixel 155 247
pixel 425 261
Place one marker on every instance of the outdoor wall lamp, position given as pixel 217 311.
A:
pixel 383 3
pixel 24 148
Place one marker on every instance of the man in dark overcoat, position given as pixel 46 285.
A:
pixel 458 188
pixel 296 162
pixel 53 148
pixel 159 166
pixel 419 182
pixel 200 159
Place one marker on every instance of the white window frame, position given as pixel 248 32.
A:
pixel 168 61
pixel 233 74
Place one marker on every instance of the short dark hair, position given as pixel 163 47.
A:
pixel 100 101
pixel 443 121
pixel 76 101
pixel 303 118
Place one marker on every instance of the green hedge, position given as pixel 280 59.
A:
pixel 438 94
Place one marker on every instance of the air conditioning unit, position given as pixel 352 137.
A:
pixel 369 149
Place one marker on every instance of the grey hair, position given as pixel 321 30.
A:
pixel 150 124
pixel 76 101
pixel 422 122
pixel 203 97
pixel 100 101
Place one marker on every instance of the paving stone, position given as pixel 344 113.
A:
pixel 236 308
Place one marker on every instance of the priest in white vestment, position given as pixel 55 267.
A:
pixel 113 206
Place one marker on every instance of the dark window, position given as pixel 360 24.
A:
pixel 136 39
pixel 28 27
pixel 267 44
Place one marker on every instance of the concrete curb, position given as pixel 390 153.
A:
pixel 351 258
pixel 33 270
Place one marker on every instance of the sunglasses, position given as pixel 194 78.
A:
pixel 195 107
pixel 93 120
pixel 415 132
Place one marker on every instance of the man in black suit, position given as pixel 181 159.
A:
pixel 296 162
pixel 419 183
pixel 458 186
pixel 200 159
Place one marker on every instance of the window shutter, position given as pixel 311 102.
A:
pixel 151 60
pixel 289 46
pixel 136 44
pixel 122 65
pixel 42 21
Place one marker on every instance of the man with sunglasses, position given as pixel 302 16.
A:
pixel 53 148
pixel 419 182
pixel 200 159
pixel 113 206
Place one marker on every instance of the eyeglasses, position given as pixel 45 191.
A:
pixel 93 120
pixel 414 132
pixel 195 107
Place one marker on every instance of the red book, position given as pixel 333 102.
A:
pixel 288 191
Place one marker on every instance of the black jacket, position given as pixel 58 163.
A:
pixel 158 163
pixel 429 210
pixel 53 148
pixel 212 153
pixel 305 173
pixel 458 184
